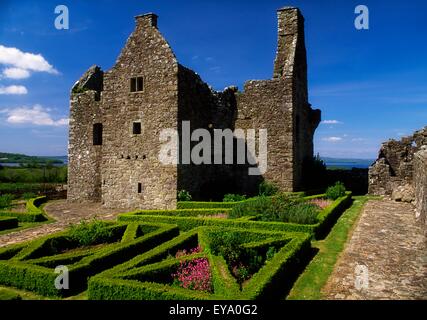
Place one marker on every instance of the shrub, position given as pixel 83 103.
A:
pixel 336 191
pixel 253 207
pixel 314 173
pixel 280 208
pixel 233 197
pixel 184 195
pixel 194 274
pixel 302 213
pixel 90 233
pixel 6 200
pixel 28 195
pixel 267 189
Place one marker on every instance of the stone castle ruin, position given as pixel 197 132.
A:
pixel 401 171
pixel 116 118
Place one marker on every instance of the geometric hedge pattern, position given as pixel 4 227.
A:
pixel 139 277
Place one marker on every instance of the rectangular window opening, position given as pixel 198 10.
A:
pixel 139 187
pixel 139 84
pixel 97 134
pixel 136 128
pixel 132 84
pixel 136 84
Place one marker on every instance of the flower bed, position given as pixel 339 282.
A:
pixel 202 274
pixel 324 218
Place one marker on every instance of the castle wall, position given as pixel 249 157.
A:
pixel 84 159
pixel 420 185
pixel 281 105
pixel 132 159
pixel 268 105
pixel 394 166
pixel 125 172
pixel 196 106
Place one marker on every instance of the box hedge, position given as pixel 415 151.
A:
pixel 145 276
pixel 187 222
pixel 33 211
pixel 31 266
pixel 8 223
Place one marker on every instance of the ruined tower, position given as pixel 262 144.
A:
pixel 281 105
pixel 116 118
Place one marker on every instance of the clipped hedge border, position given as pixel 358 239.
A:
pixel 186 223
pixel 183 212
pixel 118 283
pixel 34 212
pixel 231 204
pixel 20 270
pixel 206 205
pixel 8 223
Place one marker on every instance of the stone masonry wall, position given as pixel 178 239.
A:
pixel 420 184
pixel 84 159
pixel 283 100
pixel 130 159
pixel 126 163
pixel 394 166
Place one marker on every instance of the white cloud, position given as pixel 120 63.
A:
pixel 332 139
pixel 36 115
pixel 16 73
pixel 25 60
pixel 331 122
pixel 13 90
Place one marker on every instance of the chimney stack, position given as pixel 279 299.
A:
pixel 290 41
pixel 147 20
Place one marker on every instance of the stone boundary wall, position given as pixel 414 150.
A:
pixel 420 184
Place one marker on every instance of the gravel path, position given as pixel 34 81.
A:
pixel 65 214
pixel 386 257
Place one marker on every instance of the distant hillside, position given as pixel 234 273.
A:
pixel 22 158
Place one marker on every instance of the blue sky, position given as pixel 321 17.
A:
pixel 371 85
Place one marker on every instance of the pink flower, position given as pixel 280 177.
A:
pixel 194 274
pixel 321 203
pixel 182 253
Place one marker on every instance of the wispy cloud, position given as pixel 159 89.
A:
pixel 15 90
pixel 16 73
pixel 36 115
pixel 344 89
pixel 331 122
pixel 409 99
pixel 332 139
pixel 216 69
pixel 18 59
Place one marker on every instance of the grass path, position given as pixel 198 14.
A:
pixel 309 284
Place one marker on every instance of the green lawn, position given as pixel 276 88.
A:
pixel 310 283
